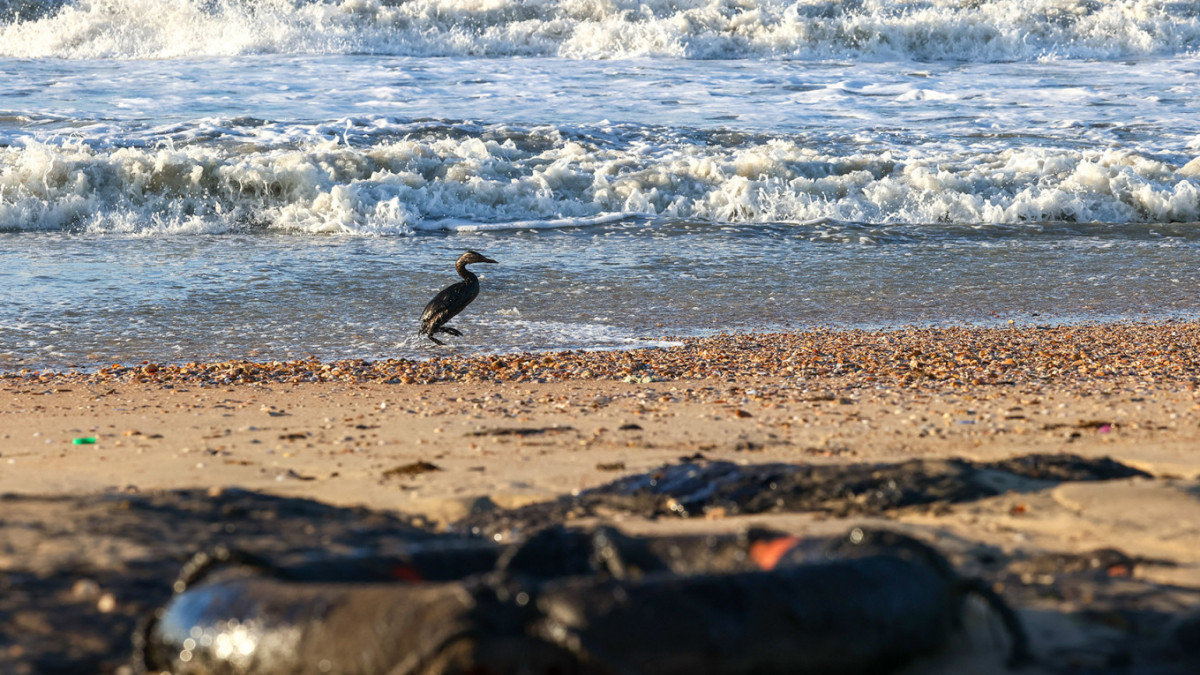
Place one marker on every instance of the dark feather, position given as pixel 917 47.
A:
pixel 447 304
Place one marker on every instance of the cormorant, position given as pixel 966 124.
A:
pixel 453 299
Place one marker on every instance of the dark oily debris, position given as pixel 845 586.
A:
pixel 583 602
pixel 691 489
pixel 1102 563
pixel 1089 581
pixel 520 431
pixel 579 601
pixel 1187 637
pixel 65 556
pixel 411 469
pixel 128 549
pixel 177 522
pixel 867 615
pixel 1138 623
pixel 1067 468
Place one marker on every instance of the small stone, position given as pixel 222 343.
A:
pixel 107 603
pixel 85 589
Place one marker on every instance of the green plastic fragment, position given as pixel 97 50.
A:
pixel 86 440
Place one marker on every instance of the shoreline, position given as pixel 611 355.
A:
pixel 959 355
pixel 476 438
pixel 814 396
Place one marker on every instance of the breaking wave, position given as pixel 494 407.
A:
pixel 405 178
pixel 961 30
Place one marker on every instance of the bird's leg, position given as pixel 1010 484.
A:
pixel 435 339
pixel 452 331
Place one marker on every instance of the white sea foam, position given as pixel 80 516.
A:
pixel 573 335
pixel 982 30
pixel 504 177
pixel 460 225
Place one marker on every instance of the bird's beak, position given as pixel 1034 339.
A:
pixel 482 259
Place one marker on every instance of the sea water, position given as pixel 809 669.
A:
pixel 220 179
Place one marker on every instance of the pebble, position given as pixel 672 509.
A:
pixel 107 603
pixel 85 589
pixel 915 357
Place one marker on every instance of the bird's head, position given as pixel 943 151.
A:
pixel 473 257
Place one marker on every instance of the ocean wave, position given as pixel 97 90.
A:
pixel 960 30
pixel 488 177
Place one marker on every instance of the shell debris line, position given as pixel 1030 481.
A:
pixel 915 357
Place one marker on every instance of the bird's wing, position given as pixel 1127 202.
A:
pixel 445 305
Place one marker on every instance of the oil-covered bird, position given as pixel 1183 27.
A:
pixel 453 299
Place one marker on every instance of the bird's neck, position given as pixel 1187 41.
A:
pixel 465 273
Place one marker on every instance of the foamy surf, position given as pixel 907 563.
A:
pixel 988 30
pixel 501 179
pixel 460 225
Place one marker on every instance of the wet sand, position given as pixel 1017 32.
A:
pixel 468 440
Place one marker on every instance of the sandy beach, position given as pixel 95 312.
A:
pixel 783 337
pixel 464 440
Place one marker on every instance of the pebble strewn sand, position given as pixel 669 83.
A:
pixel 918 357
pixel 447 439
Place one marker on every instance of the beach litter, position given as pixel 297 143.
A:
pixel 694 487
pixel 575 601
